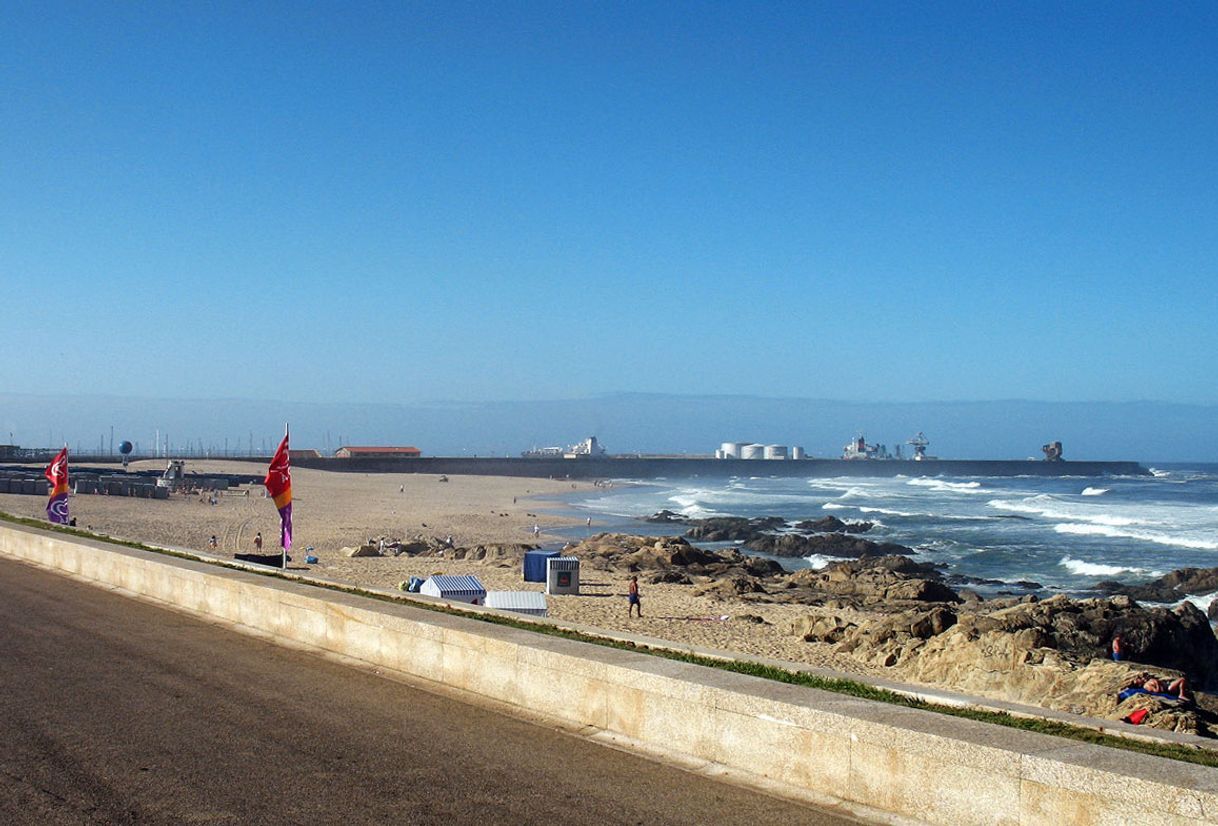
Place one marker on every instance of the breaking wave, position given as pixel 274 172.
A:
pixel 1078 566
pixel 1094 491
pixel 939 486
pixel 818 561
pixel 1202 602
pixel 1157 537
pixel 1050 508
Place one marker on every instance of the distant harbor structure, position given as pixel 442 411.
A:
pixel 753 450
pixel 589 448
pixel 349 452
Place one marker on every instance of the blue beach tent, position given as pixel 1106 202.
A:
pixel 535 565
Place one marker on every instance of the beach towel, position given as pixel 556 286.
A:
pixel 1129 692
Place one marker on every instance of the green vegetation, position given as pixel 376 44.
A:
pixel 852 688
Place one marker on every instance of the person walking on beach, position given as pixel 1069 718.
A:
pixel 632 598
pixel 258 541
pixel 211 543
pixel 536 530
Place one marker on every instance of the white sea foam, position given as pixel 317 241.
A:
pixel 1094 491
pixel 836 506
pixel 954 517
pixel 1201 601
pixel 1157 537
pixel 818 561
pixel 1051 508
pixel 689 503
pixel 939 486
pixel 1082 568
pixel 889 512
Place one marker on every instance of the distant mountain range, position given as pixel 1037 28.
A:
pixel 626 423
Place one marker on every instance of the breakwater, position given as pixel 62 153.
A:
pixel 626 467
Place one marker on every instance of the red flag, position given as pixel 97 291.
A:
pixel 57 475
pixel 278 484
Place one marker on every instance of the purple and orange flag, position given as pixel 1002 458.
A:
pixel 57 475
pixel 278 484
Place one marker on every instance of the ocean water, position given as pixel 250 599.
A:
pixel 1065 533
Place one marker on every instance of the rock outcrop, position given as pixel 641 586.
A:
pixel 831 524
pixel 1170 588
pixel 1051 653
pixel 367 549
pixel 670 558
pixel 827 544
pixel 882 581
pixel 732 528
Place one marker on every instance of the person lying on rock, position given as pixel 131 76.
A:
pixel 1160 685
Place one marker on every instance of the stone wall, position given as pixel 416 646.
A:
pixel 878 760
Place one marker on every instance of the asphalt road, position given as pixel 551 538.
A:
pixel 116 711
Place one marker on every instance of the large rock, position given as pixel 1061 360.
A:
pixel 730 587
pixel 821 628
pixel 502 554
pixel 1051 652
pixel 831 524
pixel 625 552
pixel 667 517
pixel 732 528
pixel 1170 588
pixel 886 580
pixel 830 544
pixel 367 549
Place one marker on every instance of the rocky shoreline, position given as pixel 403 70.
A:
pixel 881 607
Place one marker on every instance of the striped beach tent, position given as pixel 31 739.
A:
pixel 462 588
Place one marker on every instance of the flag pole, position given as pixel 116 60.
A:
pixel 283 563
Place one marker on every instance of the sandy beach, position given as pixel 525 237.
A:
pixel 333 511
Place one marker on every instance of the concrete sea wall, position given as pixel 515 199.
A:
pixel 878 759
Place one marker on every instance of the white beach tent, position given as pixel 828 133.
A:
pixel 532 603
pixel 463 588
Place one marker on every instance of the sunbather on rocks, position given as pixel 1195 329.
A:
pixel 1160 685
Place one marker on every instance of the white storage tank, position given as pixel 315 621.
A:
pixel 798 452
pixel 776 451
pixel 753 451
pixel 562 575
pixel 730 450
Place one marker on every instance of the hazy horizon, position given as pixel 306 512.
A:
pixel 624 423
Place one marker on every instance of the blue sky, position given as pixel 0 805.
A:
pixel 411 202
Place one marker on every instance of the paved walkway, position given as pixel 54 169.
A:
pixel 117 711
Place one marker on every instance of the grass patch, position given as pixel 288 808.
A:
pixel 852 688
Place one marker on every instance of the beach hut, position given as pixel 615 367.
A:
pixel 532 603
pixel 462 588
pixel 535 565
pixel 562 575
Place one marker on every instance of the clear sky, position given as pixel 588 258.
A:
pixel 465 201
